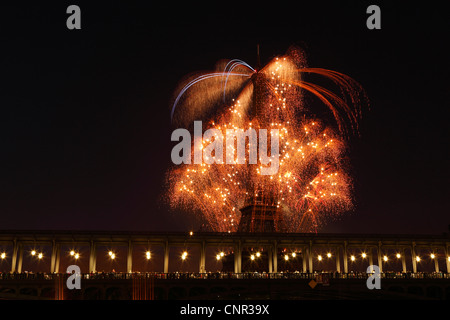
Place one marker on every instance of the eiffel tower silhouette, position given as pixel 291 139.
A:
pixel 261 211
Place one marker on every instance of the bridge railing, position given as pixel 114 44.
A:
pixel 221 275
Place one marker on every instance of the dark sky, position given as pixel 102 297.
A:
pixel 85 115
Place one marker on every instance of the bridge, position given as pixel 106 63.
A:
pixel 343 249
pixel 409 264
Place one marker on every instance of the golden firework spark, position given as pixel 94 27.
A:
pixel 312 183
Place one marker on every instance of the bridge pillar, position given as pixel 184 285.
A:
pixel 92 257
pixel 20 259
pixel 403 260
pixel 58 259
pixel 130 257
pixel 380 260
pixel 238 258
pixel 275 257
pixel 338 259
pixel 371 259
pixel 54 261
pixel 310 257
pixel 413 257
pixel 345 257
pixel 166 256
pixel 305 255
pixel 270 259
pixel 202 264
pixel 447 257
pixel 436 263
pixel 14 255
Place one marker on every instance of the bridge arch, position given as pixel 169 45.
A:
pixel 29 291
pixel 8 290
pixel 416 290
pixel 434 292
pixel 176 293
pixel 117 293
pixel 93 293
pixel 197 291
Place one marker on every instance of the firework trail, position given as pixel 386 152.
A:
pixel 312 184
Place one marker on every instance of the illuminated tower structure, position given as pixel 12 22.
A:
pixel 261 212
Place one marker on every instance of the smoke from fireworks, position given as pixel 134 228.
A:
pixel 312 183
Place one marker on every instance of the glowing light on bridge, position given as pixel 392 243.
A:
pixel 385 258
pixel 148 255
pixel 220 255
pixel 329 254
pixel 3 255
pixel 74 254
pixel 112 255
pixel 184 255
pixel 398 255
pixel 319 258
pixel 363 255
pixel 352 258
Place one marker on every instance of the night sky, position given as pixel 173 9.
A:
pixel 85 114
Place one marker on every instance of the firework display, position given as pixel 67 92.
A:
pixel 312 183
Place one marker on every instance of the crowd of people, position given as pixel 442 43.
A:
pixel 220 275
